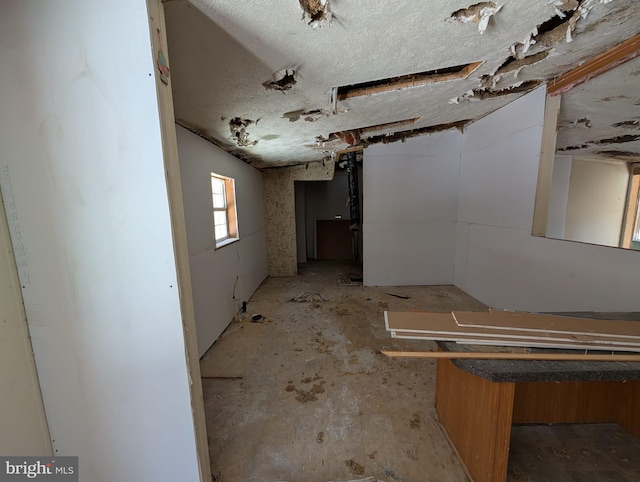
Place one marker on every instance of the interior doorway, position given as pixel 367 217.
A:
pixel 325 229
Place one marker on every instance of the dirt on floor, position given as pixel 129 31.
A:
pixel 302 393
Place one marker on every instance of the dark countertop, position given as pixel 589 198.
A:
pixel 549 371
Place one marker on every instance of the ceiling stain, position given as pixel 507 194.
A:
pixel 583 122
pixel 630 124
pixel 617 140
pixel 574 148
pixel 622 154
pixel 603 142
pixel 308 115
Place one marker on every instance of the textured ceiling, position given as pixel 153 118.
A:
pixel 258 78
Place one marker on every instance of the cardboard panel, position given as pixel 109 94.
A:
pixel 510 321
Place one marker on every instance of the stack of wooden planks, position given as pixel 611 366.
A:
pixel 504 328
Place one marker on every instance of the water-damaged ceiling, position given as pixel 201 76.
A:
pixel 286 82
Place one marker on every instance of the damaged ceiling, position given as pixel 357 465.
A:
pixel 286 82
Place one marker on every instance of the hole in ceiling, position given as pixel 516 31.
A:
pixel 352 137
pixel 281 81
pixel 238 127
pixel 406 81
pixel 316 12
pixel 479 13
pixel 556 29
pixel 402 135
pixel 512 64
pixel 488 93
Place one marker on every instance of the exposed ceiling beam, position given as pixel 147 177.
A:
pixel 598 65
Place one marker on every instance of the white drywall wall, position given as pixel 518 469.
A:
pixel 596 201
pixel 558 196
pixel 497 259
pixel 225 277
pixel 22 418
pixel 410 195
pixel 81 157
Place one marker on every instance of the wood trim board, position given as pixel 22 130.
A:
pixel 448 324
pixel 600 64
pixel 508 320
pixel 470 355
pixel 523 343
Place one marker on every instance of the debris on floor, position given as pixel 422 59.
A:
pixel 307 298
pixel 268 427
pixel 402 297
pixel 355 467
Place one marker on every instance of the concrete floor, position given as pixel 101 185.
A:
pixel 302 395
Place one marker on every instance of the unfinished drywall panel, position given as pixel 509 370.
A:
pixel 280 213
pixel 409 253
pixel 81 157
pixel 497 190
pixel 558 196
pixel 510 269
pixel 596 201
pixel 22 418
pixel 222 278
pixel 410 204
pixel 498 261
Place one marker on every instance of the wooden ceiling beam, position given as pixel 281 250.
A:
pixel 600 64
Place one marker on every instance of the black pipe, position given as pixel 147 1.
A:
pixel 354 198
pixel 354 203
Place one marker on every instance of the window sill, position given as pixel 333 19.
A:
pixel 226 242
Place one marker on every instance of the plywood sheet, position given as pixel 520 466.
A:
pixel 445 324
pixel 507 320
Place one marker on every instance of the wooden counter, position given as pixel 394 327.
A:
pixel 477 413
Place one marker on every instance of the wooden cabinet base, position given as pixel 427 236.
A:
pixel 477 414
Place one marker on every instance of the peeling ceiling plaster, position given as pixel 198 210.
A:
pixel 259 78
pixel 601 118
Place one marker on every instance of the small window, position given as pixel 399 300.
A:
pixel 225 219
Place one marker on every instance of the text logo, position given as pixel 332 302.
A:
pixel 43 469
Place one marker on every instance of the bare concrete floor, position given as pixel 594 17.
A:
pixel 304 395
